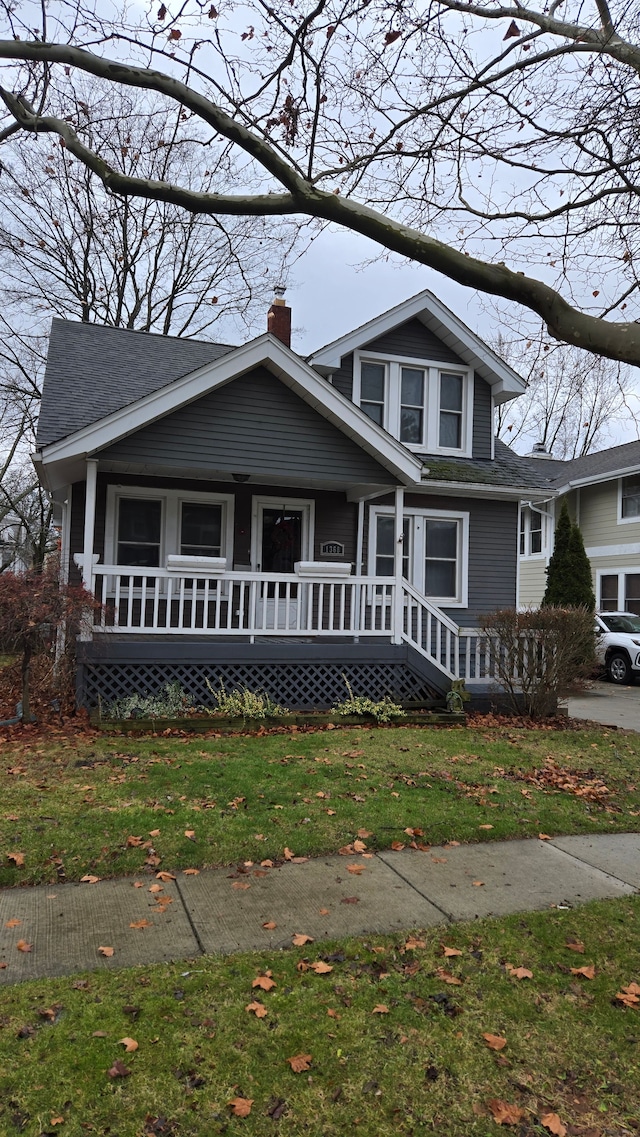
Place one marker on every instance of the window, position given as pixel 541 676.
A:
pixel 424 407
pixel 144 526
pixel 434 555
pixel 630 498
pixel 531 532
pixel 609 593
pixel 619 591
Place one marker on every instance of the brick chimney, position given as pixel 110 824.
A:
pixel 279 318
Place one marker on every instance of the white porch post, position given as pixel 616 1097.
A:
pixel 89 523
pixel 398 550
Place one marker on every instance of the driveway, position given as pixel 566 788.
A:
pixel 608 704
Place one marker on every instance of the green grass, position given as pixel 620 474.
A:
pixel 421 1068
pixel 70 804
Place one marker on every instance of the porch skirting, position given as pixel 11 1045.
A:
pixel 298 675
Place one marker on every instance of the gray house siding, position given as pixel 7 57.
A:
pixel 342 379
pixel 253 425
pixel 335 517
pixel 482 419
pixel 416 341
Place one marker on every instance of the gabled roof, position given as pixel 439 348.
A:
pixel 504 381
pixel 267 351
pixel 93 371
pixel 561 476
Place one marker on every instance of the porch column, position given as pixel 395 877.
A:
pixel 89 523
pixel 398 606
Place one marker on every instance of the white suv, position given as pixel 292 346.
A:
pixel 618 645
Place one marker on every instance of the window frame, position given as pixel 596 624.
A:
pixel 525 516
pixel 433 372
pixel 417 551
pixel 626 520
pixel 622 572
pixel 171 518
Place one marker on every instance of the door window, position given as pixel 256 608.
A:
pixel 281 538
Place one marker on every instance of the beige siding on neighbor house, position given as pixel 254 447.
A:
pixel 532 581
pixel 599 517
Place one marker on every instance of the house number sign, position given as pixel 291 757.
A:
pixel 332 549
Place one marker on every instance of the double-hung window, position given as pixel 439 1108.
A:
pixel 434 551
pixel 531 532
pixel 145 526
pixel 630 498
pixel 425 406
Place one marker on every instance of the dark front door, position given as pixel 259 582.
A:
pixel 281 544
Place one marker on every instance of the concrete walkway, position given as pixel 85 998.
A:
pixel 225 910
pixel 607 704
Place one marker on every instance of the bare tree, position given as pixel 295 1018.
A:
pixel 460 135
pixel 573 402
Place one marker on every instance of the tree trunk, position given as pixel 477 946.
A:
pixel 26 672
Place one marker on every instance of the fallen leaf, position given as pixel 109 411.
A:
pixel 134 842
pixel 323 911
pixel 439 860
pixel 545 837
pixel 299 939
pixel 320 967
pixel 119 1070
pixel 288 855
pixel 447 977
pixel 478 884
pixel 588 971
pixel 154 832
pixel 397 846
pixel 240 1107
pixel 270 925
pixel 99 1034
pixel 412 944
pixel 138 884
pixel 191 872
pixel 17 858
pixel 12 923
pixel 190 833
pixel 450 951
pixel 163 875
pixel 88 879
pixel 495 1041
pixel 575 945
pixel 265 982
pixel 258 1009
pixel 57 1121
pixel 380 1009
pixel 356 869
pixel 505 1113
pixel 485 827
pixel 629 996
pixel 129 1044
pixel 141 924
pixel 331 812
pixel 333 1014
pixel 154 888
pixel 240 885
pixel 350 900
pixel 22 945
pixel 518 972
pixel 300 1062
pixel 108 951
pixel 364 833
pixel 552 1122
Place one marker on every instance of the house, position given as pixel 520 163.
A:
pixel 248 515
pixel 602 492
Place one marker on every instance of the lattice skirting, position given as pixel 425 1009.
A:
pixel 298 686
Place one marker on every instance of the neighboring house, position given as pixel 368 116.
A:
pixel 13 543
pixel 602 492
pixel 246 514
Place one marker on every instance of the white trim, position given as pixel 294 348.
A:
pixel 171 501
pixel 505 382
pixel 620 571
pixel 285 365
pixel 308 507
pixel 88 541
pixel 433 372
pixel 525 511
pixel 416 554
pixel 595 479
pixel 629 550
pixel 624 520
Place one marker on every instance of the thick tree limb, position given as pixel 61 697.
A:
pixel 616 340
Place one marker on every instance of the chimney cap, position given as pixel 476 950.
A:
pixel 539 450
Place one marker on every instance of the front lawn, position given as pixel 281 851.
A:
pixel 114 805
pixel 393 1037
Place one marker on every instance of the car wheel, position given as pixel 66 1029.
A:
pixel 619 667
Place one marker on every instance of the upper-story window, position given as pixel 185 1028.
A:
pixel 424 405
pixel 630 498
pixel 531 532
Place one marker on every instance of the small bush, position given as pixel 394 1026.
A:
pixel 539 651
pixel 170 703
pixel 243 703
pixel 382 711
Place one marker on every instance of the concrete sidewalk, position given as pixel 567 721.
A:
pixel 225 910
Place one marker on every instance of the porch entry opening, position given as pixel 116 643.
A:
pixel 282 537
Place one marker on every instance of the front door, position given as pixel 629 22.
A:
pixel 282 536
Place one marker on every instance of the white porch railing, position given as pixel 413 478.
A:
pixel 159 601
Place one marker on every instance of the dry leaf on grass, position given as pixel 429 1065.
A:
pixel 57 1121
pixel 133 842
pixel 108 951
pixel 629 996
pixel 299 939
pixel 380 1009
pixel 518 972
pixel 485 827
pixel 154 832
pixel 22 945
pixel 495 1041
pixel 17 858
pixel 552 1122
pixel 447 977
pixel 504 1113
pixel 264 982
pixel 300 1062
pixel 240 1107
pixel 333 1014
pixel 575 945
pixel 320 968
pixel 258 1009
pixel 190 833
pixel 89 879
pixel 450 951
pixel 412 944
pixel 359 846
pixel 397 846
pixel 129 1044
pixel 587 972
pixel 365 833
pixel 119 1070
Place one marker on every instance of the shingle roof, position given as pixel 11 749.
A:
pixel 507 469
pixel 92 371
pixel 557 473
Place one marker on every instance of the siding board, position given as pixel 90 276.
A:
pixel 413 339
pixel 482 419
